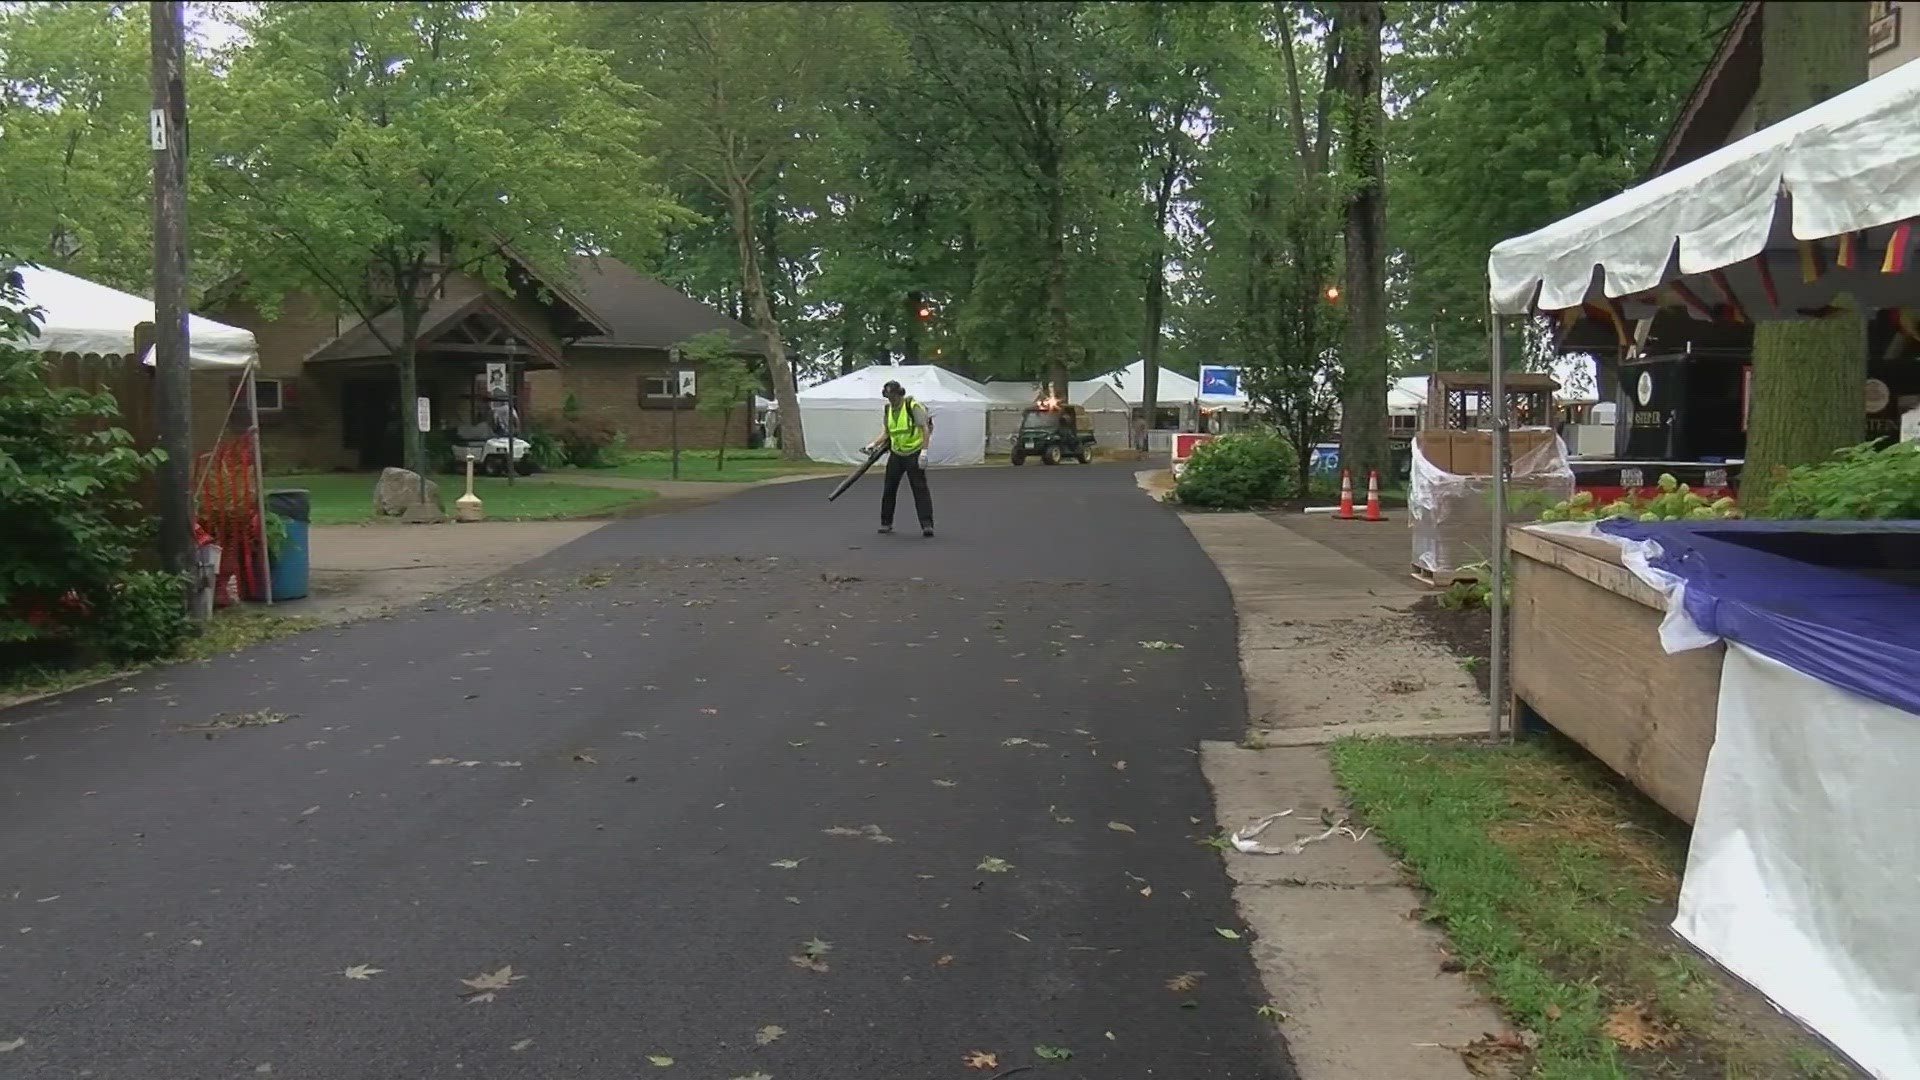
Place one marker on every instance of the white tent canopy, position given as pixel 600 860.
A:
pixel 1094 395
pixel 1407 395
pixel 842 416
pixel 1847 167
pixel 1174 388
pixel 85 317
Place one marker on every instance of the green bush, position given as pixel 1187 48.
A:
pixel 582 441
pixel 1862 482
pixel 142 616
pixel 438 444
pixel 546 450
pixel 1234 472
pixel 66 548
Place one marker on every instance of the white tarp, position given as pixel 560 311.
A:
pixel 842 416
pixel 1849 164
pixel 1800 873
pixel 85 317
pixel 1173 388
pixel 1800 877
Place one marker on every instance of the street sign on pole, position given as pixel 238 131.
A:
pixel 423 414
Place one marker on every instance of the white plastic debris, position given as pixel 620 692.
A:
pixel 1244 839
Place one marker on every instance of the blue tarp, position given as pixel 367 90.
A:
pixel 1836 600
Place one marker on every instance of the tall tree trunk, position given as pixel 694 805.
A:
pixel 910 338
pixel 847 344
pixel 1363 396
pixel 413 446
pixel 1059 332
pixel 1808 376
pixel 793 441
pixel 770 256
pixel 1150 338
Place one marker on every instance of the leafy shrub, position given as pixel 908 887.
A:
pixel 1859 482
pixel 438 444
pixel 1234 472
pixel 583 441
pixel 142 616
pixel 1676 502
pixel 546 450
pixel 66 548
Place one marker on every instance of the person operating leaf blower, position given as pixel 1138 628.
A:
pixel 907 431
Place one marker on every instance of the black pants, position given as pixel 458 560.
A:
pixel 907 465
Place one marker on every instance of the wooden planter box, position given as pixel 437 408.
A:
pixel 1586 659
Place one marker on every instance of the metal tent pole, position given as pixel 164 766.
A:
pixel 259 478
pixel 1496 599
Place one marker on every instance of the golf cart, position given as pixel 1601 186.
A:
pixel 1054 434
pixel 491 450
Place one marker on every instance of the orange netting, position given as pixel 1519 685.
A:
pixel 229 513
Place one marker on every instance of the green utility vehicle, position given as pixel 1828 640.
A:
pixel 1053 435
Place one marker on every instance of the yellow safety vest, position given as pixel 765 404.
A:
pixel 902 434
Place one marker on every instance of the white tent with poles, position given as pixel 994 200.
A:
pixel 1816 212
pixel 87 319
pixel 843 415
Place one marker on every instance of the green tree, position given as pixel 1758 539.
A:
pixel 1357 31
pixel 1807 373
pixel 1508 117
pixel 74 187
pixel 725 380
pixel 368 151
pixel 1027 96
pixel 739 89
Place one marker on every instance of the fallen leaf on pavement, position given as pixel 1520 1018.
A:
pixel 810 963
pixel 585 758
pixel 521 1045
pixel 1185 981
pixel 755 1076
pixel 944 960
pixel 1052 1053
pixel 660 1061
pixel 1635 1027
pixel 870 832
pixel 1493 1055
pixel 944 783
pixel 11 1045
pixel 994 865
pixel 768 1034
pixel 710 712
pixel 797 744
pixel 980 1059
pixel 1161 646
pixel 1119 766
pixel 1119 826
pixel 1230 935
pixel 483 986
pixel 793 899
pixel 785 864
pixel 921 938
pixel 1147 891
pixel 362 971
pixel 816 948
pixel 1015 741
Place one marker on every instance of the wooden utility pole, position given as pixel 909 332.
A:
pixel 167 135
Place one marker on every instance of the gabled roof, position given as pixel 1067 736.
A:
pixel 1706 120
pixel 644 312
pixel 359 342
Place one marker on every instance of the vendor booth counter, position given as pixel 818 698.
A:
pixel 1757 679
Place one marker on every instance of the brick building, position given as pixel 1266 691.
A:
pixel 329 391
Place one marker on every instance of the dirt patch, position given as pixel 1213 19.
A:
pixel 1466 632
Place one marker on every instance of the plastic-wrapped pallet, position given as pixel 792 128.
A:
pixel 1451 500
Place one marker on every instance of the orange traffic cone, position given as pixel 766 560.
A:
pixel 1373 496
pixel 1345 513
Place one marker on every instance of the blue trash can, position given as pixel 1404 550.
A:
pixel 287 572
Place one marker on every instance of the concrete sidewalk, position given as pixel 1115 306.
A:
pixel 1328 650
pixel 362 571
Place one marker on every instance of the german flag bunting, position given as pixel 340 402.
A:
pixel 1813 262
pixel 1691 299
pixel 1849 254
pixel 1896 258
pixel 1731 303
pixel 1766 281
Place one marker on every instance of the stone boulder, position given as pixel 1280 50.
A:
pixel 398 491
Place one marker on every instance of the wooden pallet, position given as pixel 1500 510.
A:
pixel 1441 579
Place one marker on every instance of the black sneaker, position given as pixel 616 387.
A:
pixel 926 530
pixel 886 528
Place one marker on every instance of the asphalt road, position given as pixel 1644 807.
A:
pixel 643 773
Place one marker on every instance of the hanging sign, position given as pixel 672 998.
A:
pixel 497 381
